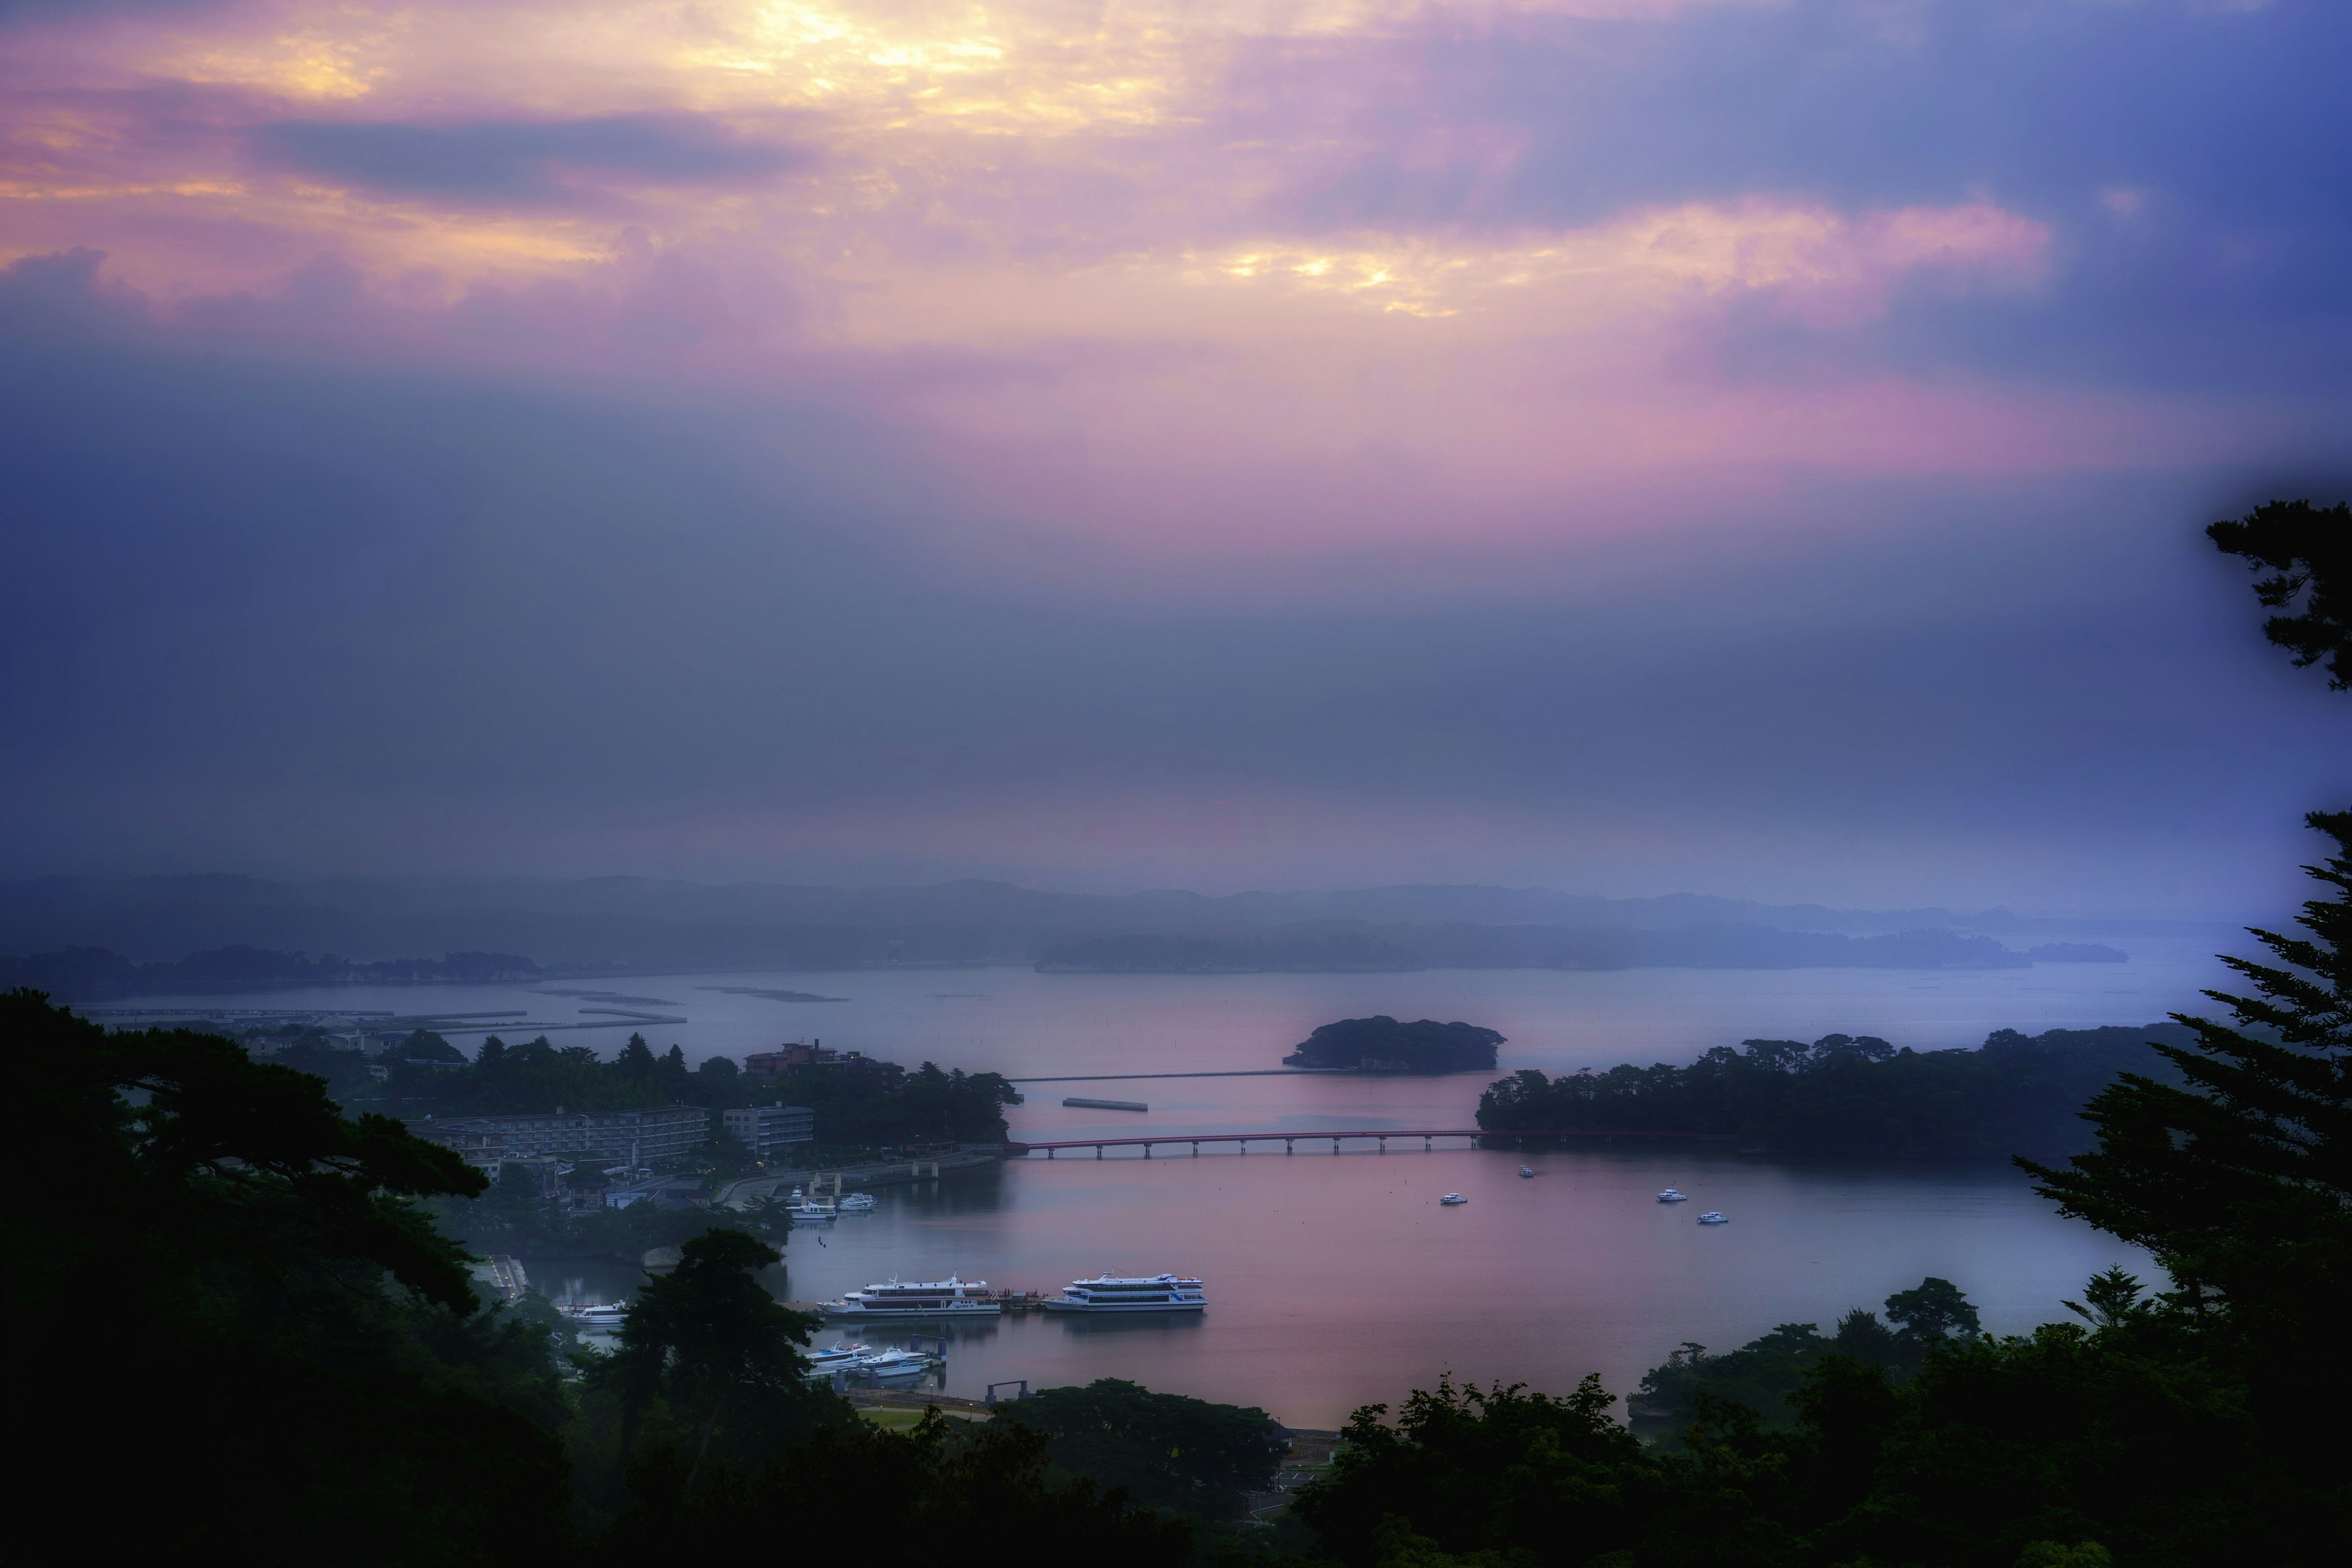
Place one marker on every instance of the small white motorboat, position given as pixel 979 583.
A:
pixel 1673 1196
pixel 1450 1199
pixel 897 1364
pixel 854 1203
pixel 1526 1170
pixel 837 1357
pixel 1712 1218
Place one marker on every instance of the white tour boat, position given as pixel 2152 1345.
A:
pixel 1108 1293
pixel 854 1203
pixel 1450 1199
pixel 597 1314
pixel 949 1298
pixel 1673 1196
pixel 1712 1218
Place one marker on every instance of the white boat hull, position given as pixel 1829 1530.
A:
pixel 1057 1306
pixel 977 1309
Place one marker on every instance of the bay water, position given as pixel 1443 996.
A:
pixel 1338 1280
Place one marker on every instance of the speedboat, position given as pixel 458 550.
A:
pixel 1451 1199
pixel 1712 1218
pixel 1526 1170
pixel 1105 1293
pixel 897 1364
pixel 837 1359
pixel 854 1203
pixel 1673 1196
pixel 949 1298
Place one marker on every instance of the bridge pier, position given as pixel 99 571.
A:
pixel 1286 1146
pixel 1384 1145
pixel 1049 1154
pixel 1335 1145
pixel 1147 1151
pixel 1098 1151
pixel 1427 1145
pixel 1196 1148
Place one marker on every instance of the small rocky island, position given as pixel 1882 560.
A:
pixel 1380 1043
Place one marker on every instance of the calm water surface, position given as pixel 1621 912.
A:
pixel 1336 1280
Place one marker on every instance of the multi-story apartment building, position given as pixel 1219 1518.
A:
pixel 766 1129
pixel 639 1137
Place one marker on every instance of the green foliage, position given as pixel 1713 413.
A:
pixel 2132 1439
pixel 215 1239
pixel 1168 1450
pixel 2114 1298
pixel 710 1361
pixel 1471 1469
pixel 518 1221
pixel 854 1110
pixel 932 1494
pixel 2308 552
pixel 1427 1046
pixel 1768 1375
pixel 1932 1313
pixel 1850 1096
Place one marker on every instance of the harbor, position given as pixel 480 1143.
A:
pixel 1331 1282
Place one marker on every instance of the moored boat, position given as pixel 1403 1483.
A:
pixel 1673 1195
pixel 597 1314
pixel 1712 1218
pixel 1526 1170
pixel 1451 1199
pixel 949 1298
pixel 854 1203
pixel 1110 1293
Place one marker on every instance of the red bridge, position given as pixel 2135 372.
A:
pixel 1428 1136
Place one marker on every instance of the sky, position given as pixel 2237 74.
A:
pixel 1744 447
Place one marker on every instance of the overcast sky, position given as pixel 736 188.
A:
pixel 1627 446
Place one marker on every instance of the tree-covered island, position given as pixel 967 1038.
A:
pixel 1380 1043
pixel 1851 1095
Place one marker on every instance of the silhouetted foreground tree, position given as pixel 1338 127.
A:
pixel 1169 1450
pixel 2240 1180
pixel 2308 552
pixel 225 1306
pixel 850 1494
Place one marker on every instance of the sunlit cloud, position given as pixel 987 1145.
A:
pixel 1060 243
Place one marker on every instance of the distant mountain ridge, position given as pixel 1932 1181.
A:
pixel 620 923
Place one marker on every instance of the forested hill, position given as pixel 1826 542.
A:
pixel 91 973
pixel 1854 1095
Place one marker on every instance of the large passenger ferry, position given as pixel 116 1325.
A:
pixel 948 1298
pixel 1160 1293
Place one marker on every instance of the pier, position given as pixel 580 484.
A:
pixel 1290 1141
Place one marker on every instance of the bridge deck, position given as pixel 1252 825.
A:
pixel 1147 1142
